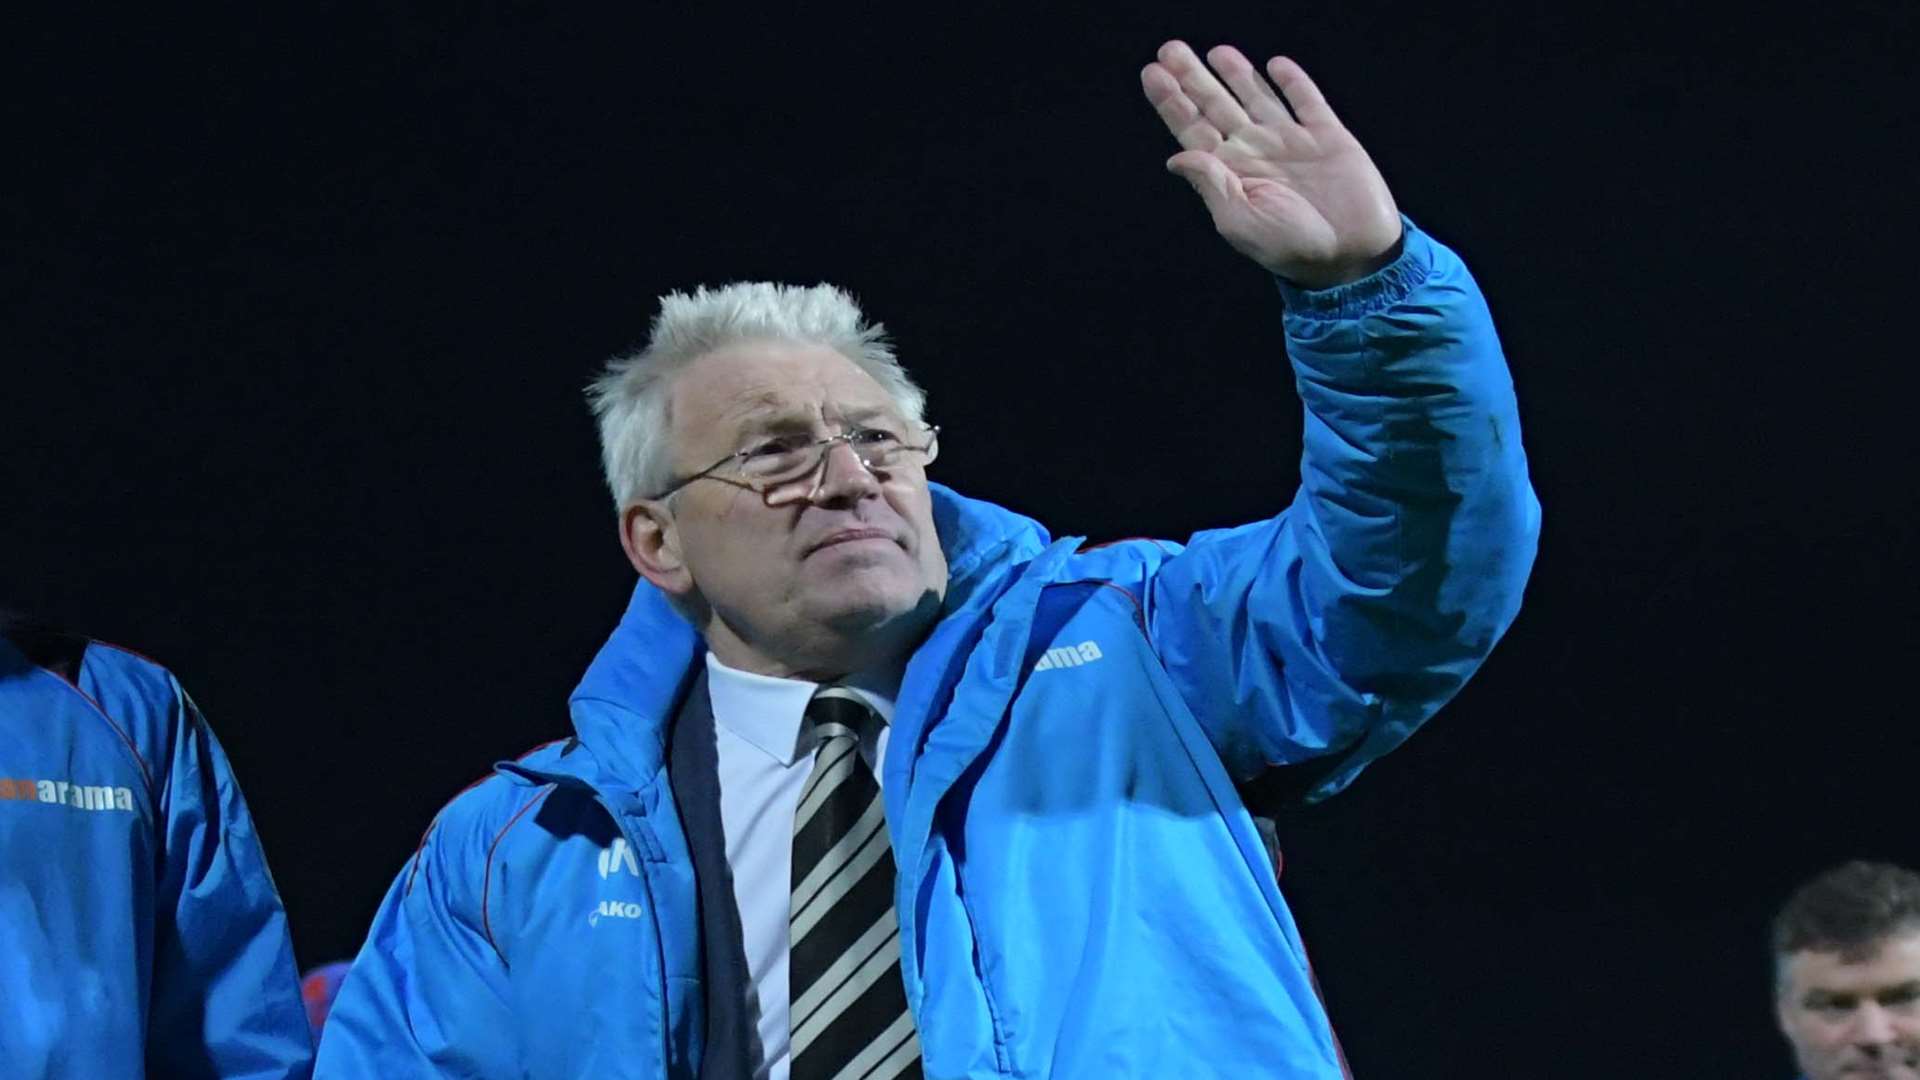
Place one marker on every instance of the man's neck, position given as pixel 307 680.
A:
pixel 826 657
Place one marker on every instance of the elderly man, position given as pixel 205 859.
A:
pixel 875 780
pixel 1846 953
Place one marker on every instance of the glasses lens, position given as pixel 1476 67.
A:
pixel 776 461
pixel 876 448
pixel 884 450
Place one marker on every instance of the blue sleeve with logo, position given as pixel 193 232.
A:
pixel 1325 636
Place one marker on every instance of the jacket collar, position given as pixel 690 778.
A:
pixel 623 704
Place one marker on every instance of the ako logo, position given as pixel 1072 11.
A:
pixel 67 793
pixel 615 909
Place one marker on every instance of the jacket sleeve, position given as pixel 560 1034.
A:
pixel 427 996
pixel 1320 639
pixel 226 992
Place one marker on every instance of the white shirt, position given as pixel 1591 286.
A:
pixel 763 766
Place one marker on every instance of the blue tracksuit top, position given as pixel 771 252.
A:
pixel 139 931
pixel 1081 892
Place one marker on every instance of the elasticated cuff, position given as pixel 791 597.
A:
pixel 1376 292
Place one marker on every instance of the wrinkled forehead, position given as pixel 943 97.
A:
pixel 755 384
pixel 1880 965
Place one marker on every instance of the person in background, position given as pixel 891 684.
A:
pixel 318 987
pixel 1846 954
pixel 140 933
pixel 834 668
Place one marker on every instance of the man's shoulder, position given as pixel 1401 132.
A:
pixel 475 820
pixel 44 646
pixel 107 663
pixel 1125 562
pixel 130 694
pixel 83 661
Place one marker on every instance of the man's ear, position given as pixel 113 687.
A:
pixel 652 544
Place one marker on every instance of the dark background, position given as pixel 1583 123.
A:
pixel 299 307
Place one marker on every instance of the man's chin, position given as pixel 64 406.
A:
pixel 895 611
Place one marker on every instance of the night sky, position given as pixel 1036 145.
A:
pixel 299 308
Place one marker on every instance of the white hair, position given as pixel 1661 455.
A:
pixel 629 398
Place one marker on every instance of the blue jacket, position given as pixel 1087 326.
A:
pixel 139 931
pixel 1081 891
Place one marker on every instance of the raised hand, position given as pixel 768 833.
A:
pixel 1295 191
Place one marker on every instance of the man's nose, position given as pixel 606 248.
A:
pixel 843 475
pixel 1873 1026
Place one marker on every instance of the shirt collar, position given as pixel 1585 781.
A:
pixel 766 711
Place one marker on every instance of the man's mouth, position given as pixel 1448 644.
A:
pixel 1885 1070
pixel 849 536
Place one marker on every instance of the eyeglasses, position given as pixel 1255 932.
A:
pixel 786 468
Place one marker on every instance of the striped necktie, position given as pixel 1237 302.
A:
pixel 848 1006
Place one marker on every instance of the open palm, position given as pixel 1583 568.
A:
pixel 1292 190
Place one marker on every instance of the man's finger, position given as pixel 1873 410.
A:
pixel 1209 176
pixel 1255 93
pixel 1177 111
pixel 1199 85
pixel 1305 97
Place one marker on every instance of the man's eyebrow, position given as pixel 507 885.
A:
pixel 763 411
pixel 766 410
pixel 868 412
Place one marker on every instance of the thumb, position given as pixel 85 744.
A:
pixel 1208 175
